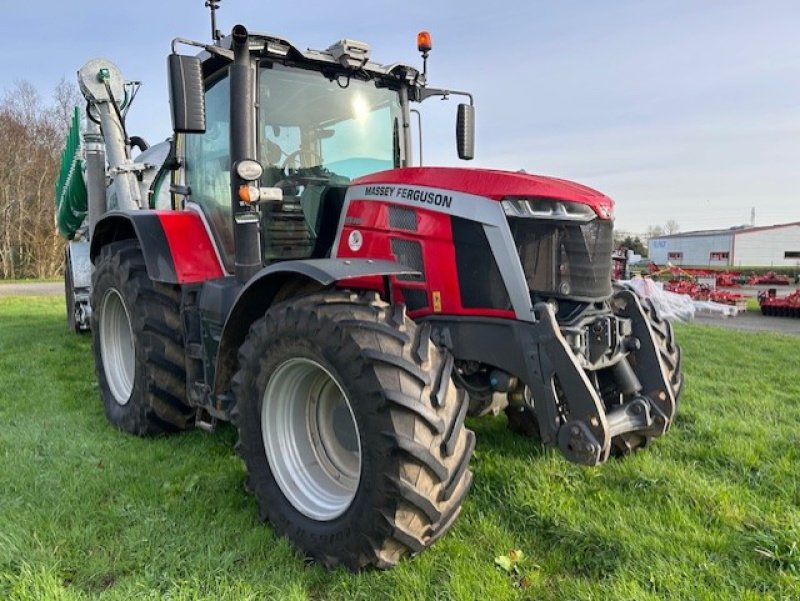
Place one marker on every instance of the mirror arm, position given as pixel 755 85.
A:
pixel 425 93
pixel 215 50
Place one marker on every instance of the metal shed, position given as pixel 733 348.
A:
pixel 742 246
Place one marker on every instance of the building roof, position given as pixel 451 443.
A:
pixel 737 229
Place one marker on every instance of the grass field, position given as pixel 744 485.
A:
pixel 711 511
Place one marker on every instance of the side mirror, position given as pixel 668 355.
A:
pixel 465 132
pixel 186 97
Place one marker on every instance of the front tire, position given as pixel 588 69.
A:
pixel 669 354
pixel 137 340
pixel 350 429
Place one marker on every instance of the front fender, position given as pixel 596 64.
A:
pixel 278 282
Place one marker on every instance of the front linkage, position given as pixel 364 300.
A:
pixel 609 393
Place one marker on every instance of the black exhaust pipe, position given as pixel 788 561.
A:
pixel 246 236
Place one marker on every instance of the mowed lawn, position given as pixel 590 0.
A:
pixel 710 511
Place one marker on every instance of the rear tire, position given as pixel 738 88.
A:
pixel 137 336
pixel 383 471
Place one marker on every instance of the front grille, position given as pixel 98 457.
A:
pixel 565 259
pixel 409 253
pixel 401 218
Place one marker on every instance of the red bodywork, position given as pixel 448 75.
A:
pixel 434 228
pixel 495 185
pixel 190 246
pixel 434 233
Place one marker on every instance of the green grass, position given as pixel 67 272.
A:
pixel 710 511
pixel 752 304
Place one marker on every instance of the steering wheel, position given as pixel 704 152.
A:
pixel 296 160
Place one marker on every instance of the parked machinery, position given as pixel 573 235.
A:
pixel 345 310
pixel 779 306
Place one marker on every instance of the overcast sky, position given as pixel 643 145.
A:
pixel 676 109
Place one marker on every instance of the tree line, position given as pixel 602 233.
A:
pixel 32 134
pixel 638 243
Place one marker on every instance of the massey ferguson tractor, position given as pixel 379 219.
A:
pixel 280 264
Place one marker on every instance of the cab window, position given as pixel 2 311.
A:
pixel 208 168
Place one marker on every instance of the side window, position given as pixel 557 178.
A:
pixel 208 168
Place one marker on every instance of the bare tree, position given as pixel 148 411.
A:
pixel 33 134
pixel 653 231
pixel 671 227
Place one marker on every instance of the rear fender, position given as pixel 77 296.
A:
pixel 176 245
pixel 277 283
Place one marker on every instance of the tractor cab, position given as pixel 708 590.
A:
pixel 313 120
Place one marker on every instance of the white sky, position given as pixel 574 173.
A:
pixel 684 110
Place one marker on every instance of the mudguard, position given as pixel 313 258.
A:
pixel 176 245
pixel 260 292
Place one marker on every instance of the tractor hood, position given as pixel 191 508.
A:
pixel 494 184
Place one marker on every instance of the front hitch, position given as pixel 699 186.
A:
pixel 585 430
pixel 569 410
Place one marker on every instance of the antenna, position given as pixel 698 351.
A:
pixel 753 216
pixel 213 5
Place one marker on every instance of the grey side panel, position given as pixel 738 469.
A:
pixel 78 282
pixel 328 271
pixel 81 265
pixel 505 253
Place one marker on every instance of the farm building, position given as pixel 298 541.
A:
pixel 743 246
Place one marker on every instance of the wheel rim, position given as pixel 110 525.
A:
pixel 116 346
pixel 311 439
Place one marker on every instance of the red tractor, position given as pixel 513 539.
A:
pixel 283 266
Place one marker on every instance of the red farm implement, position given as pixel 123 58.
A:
pixel 768 279
pixel 784 306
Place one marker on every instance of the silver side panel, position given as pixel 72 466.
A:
pixel 505 254
pixel 81 265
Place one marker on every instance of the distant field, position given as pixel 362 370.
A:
pixel 710 511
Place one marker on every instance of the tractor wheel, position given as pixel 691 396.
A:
pixel 350 429
pixel 522 420
pixel 669 351
pixel 137 336
pixel 670 355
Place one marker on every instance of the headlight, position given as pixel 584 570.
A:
pixel 249 170
pixel 547 208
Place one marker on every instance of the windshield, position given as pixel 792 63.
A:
pixel 333 129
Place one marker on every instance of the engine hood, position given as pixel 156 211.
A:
pixel 494 184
